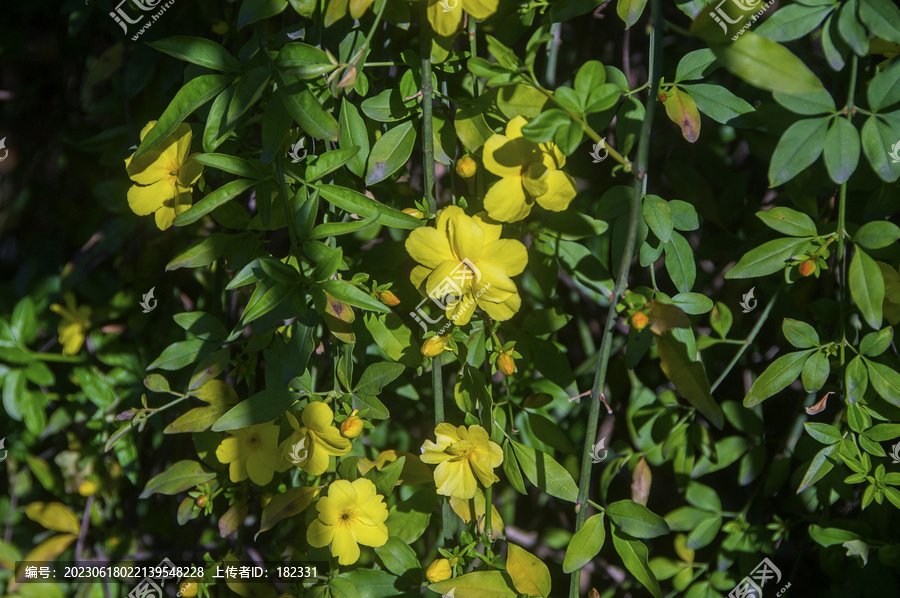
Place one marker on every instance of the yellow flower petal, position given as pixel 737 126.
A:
pixel 502 311
pixel 260 466
pixel 455 479
pixel 317 416
pixel 514 127
pixel 147 128
pixel 494 286
pixel 480 9
pixel 506 200
pixel 466 237
pixel 508 255
pixel 418 276
pixel 144 200
pixel 560 193
pixel 331 441
pixel 319 535
pixel 237 471
pixel 462 311
pixel 444 24
pixel 317 460
pixel 190 171
pixel 428 246
pixel 371 535
pixel 344 546
pixel 491 227
pixel 505 157
pixel 230 450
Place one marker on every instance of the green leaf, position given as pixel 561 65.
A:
pixel 798 148
pixel 680 263
pixel 53 516
pixel 202 325
pixel 545 473
pixel 788 221
pixel 841 150
pixel 354 134
pixel 856 380
pixel 471 128
pixel 810 104
pixel 883 432
pixel 255 10
pixel 704 533
pixel 689 377
pixel 695 65
pixel 544 126
pixel 682 110
pixel 479 584
pixel 191 96
pixel 636 520
pixel 818 468
pixel 357 203
pixel 223 194
pixel 589 77
pixel 177 355
pixel 833 46
pixel 198 50
pixel 181 476
pixel 721 319
pixel 829 536
pixel 768 258
pixel 529 574
pixel 767 65
pixel 658 217
pixel 884 88
pixel 387 106
pixel 634 557
pixel 851 30
pixel 511 468
pixel 394 338
pixel 332 229
pixel 630 11
pixel 352 295
pixel 328 162
pixel 248 89
pixel 882 17
pixel 377 376
pixel 303 106
pixel 285 504
pixel 885 380
pixel 877 235
pixel 800 334
pixel 386 478
pixel 226 163
pixel 867 287
pixel 876 343
pixel 260 408
pixel 390 153
pixel 793 22
pixel 780 373
pixel 397 556
pixel 303 60
pixel 717 102
pixel 823 432
pixel 585 544
pixel 877 139
pixel 815 372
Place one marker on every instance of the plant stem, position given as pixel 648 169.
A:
pixel 640 175
pixel 552 53
pixel 842 214
pixel 746 342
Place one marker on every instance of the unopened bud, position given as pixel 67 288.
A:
pixel 438 570
pixel 415 213
pixel 807 267
pixel 662 96
pixel 435 346
pixel 88 488
pixel 506 363
pixel 640 320
pixel 202 500
pixel 351 427
pixel 466 167
pixel 388 298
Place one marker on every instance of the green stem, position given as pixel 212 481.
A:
pixel 842 215
pixel 488 530
pixel 746 342
pixel 288 217
pixel 640 175
pixel 427 118
pixel 473 51
pixel 552 53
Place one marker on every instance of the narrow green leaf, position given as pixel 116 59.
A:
pixel 636 520
pixel 780 373
pixel 357 203
pixel 352 295
pixel 479 584
pixel 658 217
pixel 885 380
pixel 821 464
pixel 856 380
pixel 680 263
pixel 800 334
pixel 634 556
pixel 767 65
pixel 630 11
pixel 529 574
pixel 841 150
pixel 768 258
pixel 354 134
pixel 882 17
pixel 198 50
pixel 867 287
pixel 788 221
pixel 877 235
pixel 261 408
pixel 223 194
pixel 585 544
pixel 545 473
pixel 390 153
pixel 717 102
pixel 179 477
pixel 303 106
pixel 878 137
pixel 799 147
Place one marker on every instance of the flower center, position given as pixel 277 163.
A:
pixel 174 169
pixel 461 450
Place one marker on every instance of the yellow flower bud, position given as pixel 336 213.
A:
pixel 466 167
pixel 351 427
pixel 640 320
pixel 438 570
pixel 435 346
pixel 506 363
pixel 88 488
pixel 388 298
pixel 415 213
pixel 189 588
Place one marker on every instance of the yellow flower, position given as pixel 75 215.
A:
pixel 252 452
pixel 528 172
pixel 351 514
pixel 446 22
pixel 435 345
pixel 891 305
pixel 165 177
pixel 465 263
pixel 438 570
pixel 462 455
pixel 74 325
pixel 309 446
pixel 351 427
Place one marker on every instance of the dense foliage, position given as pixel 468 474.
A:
pixel 474 298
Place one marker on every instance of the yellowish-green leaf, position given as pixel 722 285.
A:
pixel 767 65
pixel 529 574
pixel 480 584
pixel 46 551
pixel 288 504
pixel 682 110
pixel 55 516
pixel 216 392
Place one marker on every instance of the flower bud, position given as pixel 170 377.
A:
pixel 808 267
pixel 202 500
pixel 388 298
pixel 88 488
pixel 351 427
pixel 435 346
pixel 506 363
pixel 640 320
pixel 415 213
pixel 662 97
pixel 466 167
pixel 189 588
pixel 438 570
